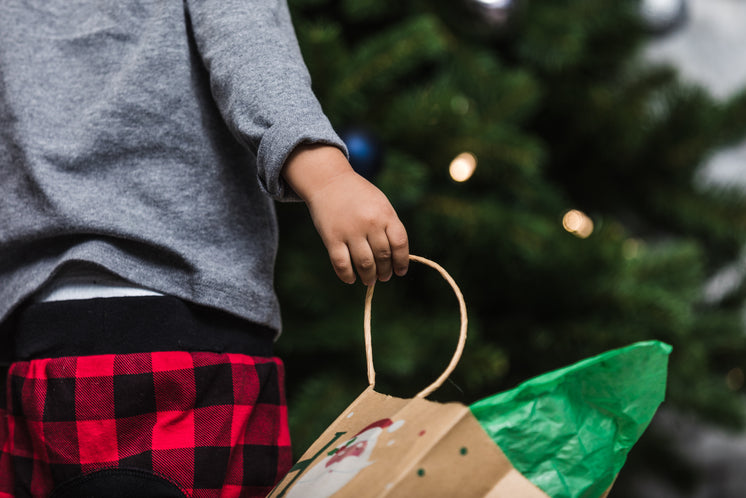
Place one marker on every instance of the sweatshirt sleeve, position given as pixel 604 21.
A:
pixel 260 82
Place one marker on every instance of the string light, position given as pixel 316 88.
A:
pixel 463 166
pixel 577 223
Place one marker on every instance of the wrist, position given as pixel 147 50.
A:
pixel 310 167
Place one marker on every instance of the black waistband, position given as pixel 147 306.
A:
pixel 131 325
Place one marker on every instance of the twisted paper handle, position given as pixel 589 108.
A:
pixel 462 332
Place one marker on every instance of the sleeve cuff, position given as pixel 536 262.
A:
pixel 277 144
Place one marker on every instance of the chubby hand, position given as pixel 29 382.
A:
pixel 357 224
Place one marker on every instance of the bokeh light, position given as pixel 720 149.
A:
pixel 661 12
pixel 463 166
pixel 577 223
pixel 735 379
pixel 496 4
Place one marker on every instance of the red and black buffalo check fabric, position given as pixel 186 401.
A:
pixel 214 424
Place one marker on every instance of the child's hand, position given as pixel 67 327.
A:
pixel 358 225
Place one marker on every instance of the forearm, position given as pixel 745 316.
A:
pixel 259 81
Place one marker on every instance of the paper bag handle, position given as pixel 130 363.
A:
pixel 462 332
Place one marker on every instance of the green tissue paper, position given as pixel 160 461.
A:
pixel 569 431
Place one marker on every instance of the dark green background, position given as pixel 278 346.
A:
pixel 562 113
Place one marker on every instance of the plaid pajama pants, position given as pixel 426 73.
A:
pixel 159 423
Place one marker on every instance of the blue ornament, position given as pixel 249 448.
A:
pixel 365 151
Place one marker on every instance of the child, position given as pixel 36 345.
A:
pixel 141 146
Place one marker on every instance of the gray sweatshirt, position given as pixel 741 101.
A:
pixel 147 137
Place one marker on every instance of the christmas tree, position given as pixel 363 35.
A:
pixel 576 225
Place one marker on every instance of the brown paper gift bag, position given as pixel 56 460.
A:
pixel 385 446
